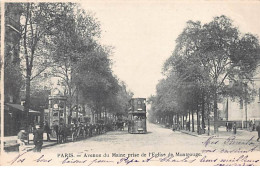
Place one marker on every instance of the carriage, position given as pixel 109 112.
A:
pixel 119 125
pixel 73 132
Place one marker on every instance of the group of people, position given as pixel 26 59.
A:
pixel 176 126
pixel 230 126
pixel 119 125
pixel 37 130
pixel 258 130
pixel 252 126
pixel 78 130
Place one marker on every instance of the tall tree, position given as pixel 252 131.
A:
pixel 74 39
pixel 38 21
pixel 95 79
pixel 220 51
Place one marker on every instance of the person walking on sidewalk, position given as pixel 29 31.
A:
pixel 22 139
pixel 258 130
pixel 235 128
pixel 38 138
pixel 47 130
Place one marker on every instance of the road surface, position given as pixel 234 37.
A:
pixel 160 146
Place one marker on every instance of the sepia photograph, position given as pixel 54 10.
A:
pixel 130 83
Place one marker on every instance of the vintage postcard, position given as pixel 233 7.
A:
pixel 130 83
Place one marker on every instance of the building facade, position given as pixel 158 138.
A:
pixel 13 75
pixel 241 111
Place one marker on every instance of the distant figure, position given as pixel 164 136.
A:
pixel 253 129
pixel 226 126
pixel 188 125
pixel 250 125
pixel 173 127
pixel 38 138
pixel 178 126
pixel 258 130
pixel 22 139
pixel 90 129
pixel 235 128
pixel 47 130
pixel 56 129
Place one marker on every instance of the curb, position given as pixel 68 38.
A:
pixel 195 135
pixel 44 146
pixel 55 143
pixel 217 137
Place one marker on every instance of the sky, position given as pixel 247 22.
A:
pixel 143 33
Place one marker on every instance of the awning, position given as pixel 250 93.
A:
pixel 21 108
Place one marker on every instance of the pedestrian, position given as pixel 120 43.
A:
pixel 250 125
pixel 56 129
pixel 22 139
pixel 188 125
pixel 235 128
pixel 227 126
pixel 179 126
pixel 47 130
pixel 38 138
pixel 253 129
pixel 258 130
pixel 90 130
pixel 173 127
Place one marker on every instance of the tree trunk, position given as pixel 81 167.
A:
pixel 198 120
pixel 105 116
pixel 100 110
pixel 208 119
pixel 171 120
pixel 185 122
pixel 178 120
pixel 182 121
pixel 192 116
pixel 203 114
pixel 93 116
pixel 28 71
pixel 27 98
pixel 189 120
pixel 77 103
pixel 174 119
pixel 215 112
pixel 70 105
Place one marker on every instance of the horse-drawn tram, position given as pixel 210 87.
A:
pixel 137 116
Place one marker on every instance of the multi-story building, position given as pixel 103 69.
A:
pixel 12 73
pixel 13 76
pixel 242 111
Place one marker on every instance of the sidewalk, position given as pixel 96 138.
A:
pixel 10 143
pixel 223 134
